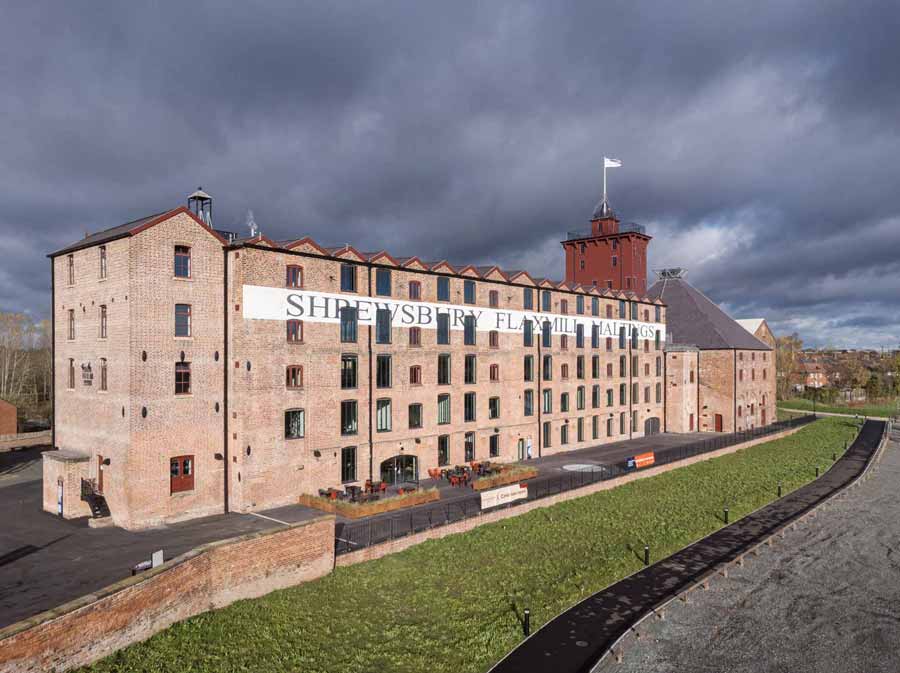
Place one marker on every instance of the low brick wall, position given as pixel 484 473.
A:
pixel 394 546
pixel 24 439
pixel 211 576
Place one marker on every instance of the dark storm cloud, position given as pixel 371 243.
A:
pixel 758 140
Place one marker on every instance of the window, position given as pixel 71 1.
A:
pixel 469 330
pixel 579 305
pixel 294 331
pixel 623 311
pixel 383 326
pixel 634 421
pixel 182 261
pixel 595 427
pixel 71 324
pixel 294 377
pixel 622 423
pixel 528 367
pixel 103 321
pixel 494 446
pixel 609 343
pixel 579 398
pixel 469 370
pixel 692 376
pixel 564 306
pixel 622 366
pixel 103 266
pixel 634 338
pixel 634 365
pixel 348 284
pixel 71 265
pixel 349 324
pixel 469 447
pixel 609 311
pixel 635 393
pixel 527 333
pixel 622 337
pixel 383 371
pixel 545 334
pixel 547 368
pixel 182 378
pixel 443 407
pixel 444 450
pixel 443 328
pixel 469 407
pixel 656 338
pixel 634 311
pixel 528 298
pixel 547 431
pixel 181 474
pixel 383 282
pixel 656 313
pixel 348 372
pixel 564 341
pixel 383 415
pixel 609 427
pixel 564 402
pixel 609 369
pixel 182 320
pixel 579 336
pixel 294 424
pixel 609 397
pixel 646 369
pixel 658 393
pixel 495 372
pixel 103 379
pixel 415 416
pixel 349 424
pixel 740 375
pixel 564 371
pixel 548 401
pixel 595 336
pixel 469 291
pixel 545 300
pixel 646 315
pixel 294 276
pixel 415 375
pixel 443 369
pixel 443 288
pixel 348 464
pixel 595 306
pixel 564 434
pixel 646 394
pixel 415 290
pixel 580 426
pixel 528 403
pixel 595 367
pixel 71 373
pixel 623 394
pixel 494 339
pixel 494 407
pixel 752 374
pixel 579 367
pixel 493 299
pixel 595 397
pixel 415 336
pixel 658 366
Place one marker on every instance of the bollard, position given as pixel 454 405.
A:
pixel 817 471
pixel 526 623
pixel 646 554
pixel 779 490
pixel 834 456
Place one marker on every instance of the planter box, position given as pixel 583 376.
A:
pixel 353 510
pixel 511 476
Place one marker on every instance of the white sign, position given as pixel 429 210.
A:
pixel 500 496
pixel 275 303
pixel 157 558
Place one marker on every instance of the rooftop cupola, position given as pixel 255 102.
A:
pixel 200 203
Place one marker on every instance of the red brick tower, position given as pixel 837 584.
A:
pixel 609 255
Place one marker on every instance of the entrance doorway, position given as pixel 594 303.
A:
pixel 400 469
pixel 99 474
pixel 651 426
pixel 718 422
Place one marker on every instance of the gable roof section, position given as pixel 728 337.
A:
pixel 750 324
pixel 132 228
pixel 693 319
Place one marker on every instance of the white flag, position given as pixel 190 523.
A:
pixel 611 163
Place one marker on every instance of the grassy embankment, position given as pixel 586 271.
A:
pixel 885 409
pixel 453 604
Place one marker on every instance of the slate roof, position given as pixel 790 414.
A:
pixel 110 234
pixel 693 319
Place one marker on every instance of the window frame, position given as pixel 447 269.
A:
pixel 302 416
pixel 180 256
pixel 181 482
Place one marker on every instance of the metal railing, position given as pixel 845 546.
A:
pixel 354 535
pixel 624 228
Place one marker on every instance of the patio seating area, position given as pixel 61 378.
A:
pixel 370 492
pixel 462 475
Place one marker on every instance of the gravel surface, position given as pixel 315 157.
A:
pixel 825 598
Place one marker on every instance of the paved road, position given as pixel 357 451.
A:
pixel 575 641
pixel 825 600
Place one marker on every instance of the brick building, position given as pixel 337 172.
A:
pixel 8 418
pixel 197 372
pixel 759 328
pixel 719 377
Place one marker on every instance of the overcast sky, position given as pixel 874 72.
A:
pixel 759 140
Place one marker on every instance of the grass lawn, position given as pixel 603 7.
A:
pixel 885 409
pixel 453 604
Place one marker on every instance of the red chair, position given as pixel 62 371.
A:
pixel 368 487
pixel 400 491
pixel 382 487
pixel 454 480
pixel 332 494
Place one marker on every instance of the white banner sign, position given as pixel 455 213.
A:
pixel 499 496
pixel 275 303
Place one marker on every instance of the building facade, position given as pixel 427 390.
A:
pixel 200 373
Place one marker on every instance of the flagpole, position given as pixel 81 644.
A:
pixel 604 179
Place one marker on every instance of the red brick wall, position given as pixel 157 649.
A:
pixel 132 610
pixel 8 423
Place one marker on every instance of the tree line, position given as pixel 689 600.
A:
pixel 26 366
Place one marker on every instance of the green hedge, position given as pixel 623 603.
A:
pixel 453 604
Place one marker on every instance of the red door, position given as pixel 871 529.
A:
pixel 99 473
pixel 718 422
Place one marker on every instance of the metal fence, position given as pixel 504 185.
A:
pixel 354 535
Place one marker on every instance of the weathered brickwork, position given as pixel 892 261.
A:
pixel 209 577
pixel 681 390
pixel 8 418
